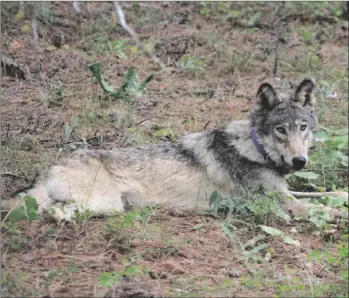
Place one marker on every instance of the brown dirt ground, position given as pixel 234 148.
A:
pixel 179 257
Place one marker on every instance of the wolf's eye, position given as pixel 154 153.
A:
pixel 303 127
pixel 281 130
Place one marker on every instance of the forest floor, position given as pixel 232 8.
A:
pixel 217 55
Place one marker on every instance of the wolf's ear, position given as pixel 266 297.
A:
pixel 304 93
pixel 267 97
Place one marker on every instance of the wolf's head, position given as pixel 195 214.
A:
pixel 284 124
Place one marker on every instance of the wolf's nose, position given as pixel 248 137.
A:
pixel 299 162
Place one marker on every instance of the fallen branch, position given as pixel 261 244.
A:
pixel 135 37
pixel 277 42
pixel 14 176
pixel 318 194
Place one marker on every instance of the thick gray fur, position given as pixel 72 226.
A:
pixel 183 175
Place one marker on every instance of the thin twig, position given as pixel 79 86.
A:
pixel 135 37
pixel 277 42
pixel 76 7
pixel 140 122
pixel 35 30
pixel 206 125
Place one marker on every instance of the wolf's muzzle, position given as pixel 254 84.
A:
pixel 299 162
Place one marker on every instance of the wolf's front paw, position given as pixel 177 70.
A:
pixel 335 214
pixel 64 213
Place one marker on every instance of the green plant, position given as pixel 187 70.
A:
pixel 164 132
pixel 262 204
pixel 114 225
pixel 109 278
pixel 69 128
pixel 306 62
pixel 191 63
pixel 45 14
pixel 83 216
pixel 336 262
pixel 16 241
pixel 131 86
pixel 205 8
pixel 306 35
pixel 27 211
pixel 118 47
pixel 278 233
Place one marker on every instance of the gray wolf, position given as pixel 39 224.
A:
pixel 182 175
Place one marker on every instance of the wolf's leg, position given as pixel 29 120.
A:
pixel 83 187
pixel 297 208
pixel 99 204
pixel 292 205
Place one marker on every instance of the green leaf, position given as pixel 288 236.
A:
pixel 291 241
pixel 96 69
pixel 255 19
pixel 253 251
pixel 215 200
pixel 337 201
pixel 307 35
pixel 17 214
pixel 318 222
pixel 132 270
pixel 343 252
pixel 341 156
pixel 163 132
pixel 340 142
pixel 32 208
pixel 131 84
pixel 30 203
pixel 252 242
pixel 278 233
pixel 321 136
pixel 226 230
pixel 343 131
pixel 105 279
pixel 234 14
pixel 146 81
pixel 272 231
pixel 344 275
pixel 278 211
pixel 28 211
pixel 307 175
pixel 318 212
pixel 314 255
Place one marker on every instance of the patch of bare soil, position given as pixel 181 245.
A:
pixel 51 104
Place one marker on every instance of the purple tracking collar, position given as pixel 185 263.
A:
pixel 258 145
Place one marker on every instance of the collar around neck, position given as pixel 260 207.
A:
pixel 270 163
pixel 258 145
